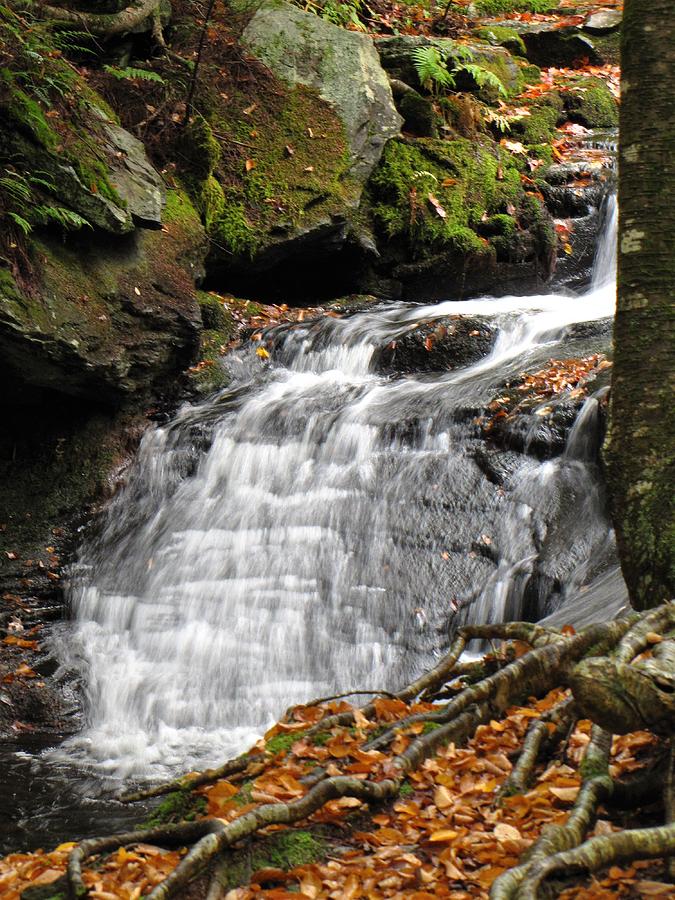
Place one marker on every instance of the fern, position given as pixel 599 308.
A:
pixel 500 122
pixel 132 74
pixel 431 67
pixel 58 215
pixel 483 77
pixel 23 224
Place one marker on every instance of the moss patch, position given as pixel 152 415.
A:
pixel 282 743
pixel 283 850
pixel 592 104
pixel 503 37
pixel 432 195
pixel 178 806
pixel 260 169
pixel 498 7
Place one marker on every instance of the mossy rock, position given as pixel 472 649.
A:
pixel 106 319
pixel 503 37
pixel 67 146
pixel 419 116
pixel 592 104
pixel 432 194
pixel 539 126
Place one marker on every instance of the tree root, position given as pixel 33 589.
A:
pixel 600 852
pixel 107 25
pixel 189 782
pixel 670 802
pixel 546 666
pixel 519 882
pixel 562 717
pixel 658 621
pixel 213 835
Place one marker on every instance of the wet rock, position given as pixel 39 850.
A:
pixel 437 345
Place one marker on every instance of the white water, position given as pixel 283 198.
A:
pixel 310 530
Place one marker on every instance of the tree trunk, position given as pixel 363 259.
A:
pixel 639 451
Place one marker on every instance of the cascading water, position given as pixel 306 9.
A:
pixel 315 527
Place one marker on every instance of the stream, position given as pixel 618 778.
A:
pixel 314 527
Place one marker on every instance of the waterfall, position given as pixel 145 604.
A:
pixel 315 527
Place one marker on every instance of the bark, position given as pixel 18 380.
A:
pixel 639 451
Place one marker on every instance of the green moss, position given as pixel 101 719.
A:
pixel 544 152
pixel 198 150
pixel 232 230
pixel 538 127
pixel 283 850
pixel 26 113
pixel 498 7
pixel 406 789
pixel 465 178
pixel 535 217
pixel 179 806
pixel 295 170
pixel 503 37
pixel 531 74
pixel 320 738
pixel 592 104
pixel 282 743
pixel 215 314
pixel 429 727
pixel 244 795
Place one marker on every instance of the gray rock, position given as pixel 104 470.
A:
pixel 134 178
pixel 603 22
pixel 342 66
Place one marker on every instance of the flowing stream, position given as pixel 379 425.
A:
pixel 315 527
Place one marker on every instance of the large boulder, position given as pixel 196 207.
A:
pixel 105 319
pixel 342 66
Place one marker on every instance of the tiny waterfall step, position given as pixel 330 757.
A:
pixel 316 527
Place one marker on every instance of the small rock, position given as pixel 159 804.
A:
pixel 603 22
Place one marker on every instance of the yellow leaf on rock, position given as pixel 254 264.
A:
pixel 262 353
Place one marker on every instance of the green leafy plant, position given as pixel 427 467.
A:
pixel 431 65
pixel 432 70
pixel 131 74
pixel 22 206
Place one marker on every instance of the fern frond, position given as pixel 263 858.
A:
pixel 23 224
pixel 132 74
pixel 431 68
pixel 483 77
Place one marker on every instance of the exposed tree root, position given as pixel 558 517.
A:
pixel 520 881
pixel 625 696
pixel 189 782
pixel 552 662
pixel 540 733
pixel 138 12
pixel 600 852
